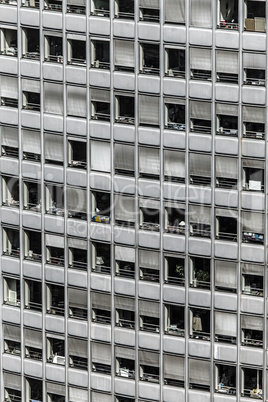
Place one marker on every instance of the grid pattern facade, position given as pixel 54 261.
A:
pixel 134 200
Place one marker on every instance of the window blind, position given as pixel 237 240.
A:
pixel 54 241
pixel 174 367
pixel 101 301
pixel 12 332
pixel 252 269
pixel 199 372
pixel 33 338
pixel 124 157
pixel 77 243
pixel 149 259
pixel 225 324
pixel 149 309
pixel 149 203
pixel 253 163
pixel 77 199
pixel 226 274
pixel 53 98
pixel 252 322
pixel 54 147
pixel 100 156
pixel 124 303
pixel 100 95
pixel 149 110
pixel 9 87
pixel 76 101
pixel 149 161
pixel 55 388
pixel 98 397
pixel 124 254
pixel 12 381
pixel 148 358
pixel 199 214
pixel 77 347
pixel 200 165
pixel 254 61
pixel 201 13
pixel 124 208
pixel 175 11
pixel 253 221
pixel 124 53
pixel 200 59
pixel 226 167
pixel 125 353
pixel 31 141
pixel 78 395
pixel 174 163
pixel 226 212
pixel 226 109
pixel 253 114
pixel 227 62
pixel 77 298
pixel 10 136
pixel 101 353
pixel 200 110
pixel 77 3
pixel 30 85
pixel 154 4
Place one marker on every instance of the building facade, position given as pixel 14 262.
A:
pixel 134 200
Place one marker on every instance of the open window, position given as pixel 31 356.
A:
pixel 174 166
pixel 174 270
pixel 255 15
pixel 124 159
pixel 174 320
pixel 54 199
pixel 149 10
pixel 200 117
pixel 34 390
pixel 54 250
pixel 175 114
pixel 78 353
pixel 125 312
pixel 227 119
pixel 77 253
pixel 252 383
pixel 33 245
pixel 100 54
pixel 9 141
pixel 77 203
pixel 9 94
pixel 225 327
pixel 175 62
pixel 12 387
pixel 53 5
pixel 225 276
pixel 55 299
pixel 254 122
pixel 55 350
pixel 226 224
pixel 125 108
pixel 101 357
pixel 252 227
pixel 101 307
pixel 32 196
pixel 226 172
pixel 77 154
pixel 10 191
pixel 199 374
pixel 149 58
pixel 200 63
pixel 200 169
pixel 77 51
pixel 31 145
pixel 100 8
pixel 225 379
pixel 252 279
pixel 76 6
pixel 58 395
pixel 101 206
pixel 8 45
pixel 200 324
pixel 228 14
pixel 11 242
pixel 100 104
pixel 253 175
pixel 125 261
pixel 30 43
pixel 254 66
pixel 149 163
pixel 200 272
pixel 124 54
pixel 12 291
pixel 33 295
pixel 53 48
pixel 124 9
pixel 149 366
pixel 101 259
pixel 125 362
pixel 227 66
pixel 252 331
pixel 149 264
pixel 149 214
pixel 175 218
pixel 149 316
pixel 200 220
pixel 33 344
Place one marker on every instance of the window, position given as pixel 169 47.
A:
pixel 254 69
pixel 54 152
pixel 30 43
pixel 252 383
pixel 226 172
pixel 200 63
pixel 10 191
pixel 200 169
pixel 201 14
pixel 225 379
pixel 10 141
pixel 33 344
pixel 225 327
pixel 200 117
pixel 149 265
pixel 124 56
pixel 174 166
pixel 200 272
pixel 77 154
pixel 125 261
pixel 252 279
pixel 149 58
pixel 77 303
pixel 55 299
pixel 77 253
pixel 100 104
pixel 100 156
pixel 33 295
pixel 101 8
pixel 254 122
pixel 225 276
pixel 125 362
pixel 174 270
pixel 54 199
pixel 174 370
pixel 227 66
pixel 199 374
pixel 125 312
pixel 33 246
pixel 77 51
pixel 227 119
pixel 124 9
pixel 9 94
pixel 101 206
pixel 228 14
pixel 54 5
pixel 252 227
pixel 200 220
pixel 12 291
pixel 76 101
pixel 55 255
pixel 34 390
pixel 11 242
pixel 200 324
pixel 31 145
pixel 101 357
pixel 12 344
pixel 32 196
pixel 55 350
pixel 149 316
pixel 174 320
pixel 175 62
pixel 12 387
pixel 77 203
pixel 149 110
pixel 101 307
pixel 53 46
pixel 53 397
pixel 149 214
pixel 226 224
pixel 252 331
pixel 253 175
pixel 174 114
pixel 31 3
pixel 8 42
pixel 78 353
pixel 101 260
pixel 77 6
pixel 149 163
pixel 100 55
pixel 175 11
pixel 149 10
pixel 125 109
pixel 255 15
pixel 124 159
pixel 175 218
pixel 149 366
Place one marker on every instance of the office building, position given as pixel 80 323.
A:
pixel 134 200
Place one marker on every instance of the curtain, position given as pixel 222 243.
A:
pixel 149 160
pixel 31 141
pixel 124 53
pixel 174 164
pixel 226 274
pixel 54 147
pixel 149 110
pixel 100 156
pixel 53 94
pixel 98 397
pixel 227 62
pixel 100 95
pixel 76 101
pixel 175 11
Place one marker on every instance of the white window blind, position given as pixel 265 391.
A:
pixel 154 4
pixel 200 165
pixel 252 322
pixel 149 259
pixel 149 309
pixel 174 163
pixel 201 13
pixel 99 95
pixel 30 86
pixel 255 61
pixel 174 367
pixel 124 303
pixel 77 243
pixel 77 3
pixel 149 203
pixel 200 110
pixel 226 167
pixel 175 11
pixel 124 208
pixel 77 347
pixel 199 372
pixel 54 147
pixel 124 53
pixel 253 163
pixel 148 358
pixel 31 141
pixel 77 199
pixel 149 110
pixel 76 101
pixel 124 157
pixel 227 62
pixel 10 136
pixel 200 59
pixel 100 156
pixel 101 353
pixel 78 395
pixel 253 114
pixel 54 241
pixel 11 332
pixel 53 94
pixel 53 388
pixel 226 109
pixel 77 298
pixel 12 381
pixel 226 212
pixel 252 222
pixel 101 301
pixel 98 397
pixel 199 214
pixel 124 254
pixel 226 274
pixel 225 324
pixel 33 338
pixel 252 269
pixel 9 87
pixel 149 161
pixel 125 353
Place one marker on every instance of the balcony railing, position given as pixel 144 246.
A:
pixel 125 119
pixel 174 330
pixel 102 269
pixel 34 306
pixel 175 280
pixel 54 59
pixel 11 203
pixel 253 291
pixel 32 106
pixel 102 319
pixel 225 77
pixel 125 15
pixel 12 252
pixel 10 51
pixel 176 229
pixel 250 237
pixel 56 261
pixel 201 75
pixel 226 182
pixel 122 322
pixel 150 70
pixel 76 9
pixel 99 12
pixel 79 265
pixel 33 353
pixel 150 377
pixel 125 372
pixel 228 25
pixel 101 368
pixel 201 129
pixel 226 236
pixel 126 272
pixel 54 7
pixel 205 336
pixel 78 62
pixel 253 393
pixel 10 151
pixel 31 55
pixel 101 116
pixel 255 81
pixel 56 310
pixel 175 126
pixel 254 134
pixel 173 72
pixel 31 3
pixel 31 206
pixel 147 326
pixel 252 342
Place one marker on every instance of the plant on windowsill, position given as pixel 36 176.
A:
pixel 180 273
